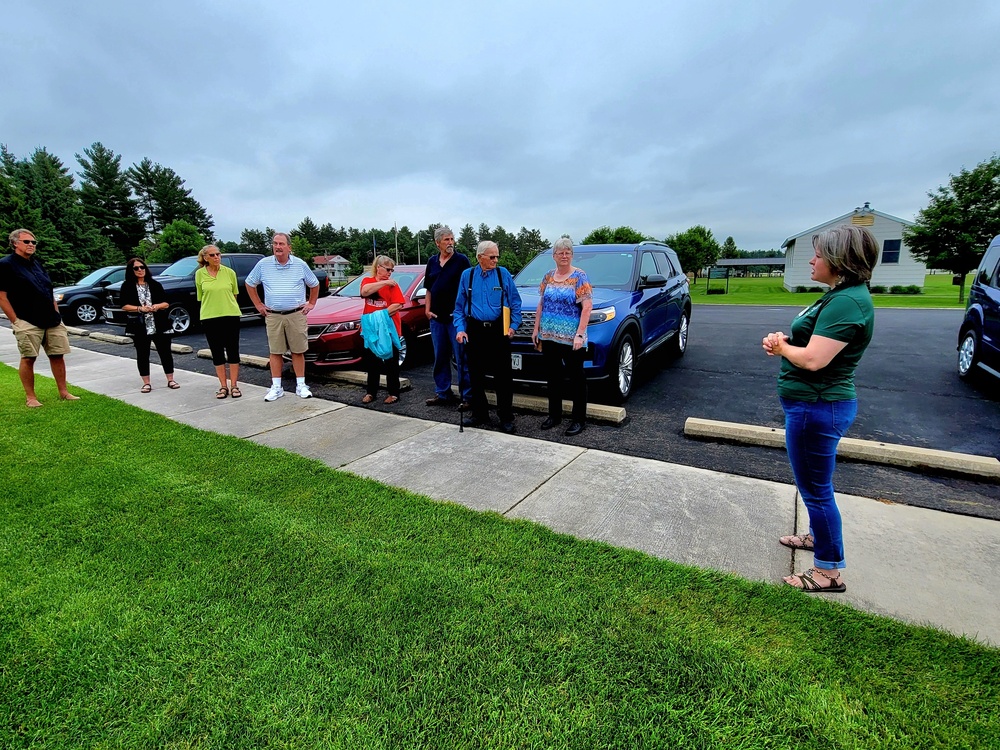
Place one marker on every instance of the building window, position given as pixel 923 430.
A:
pixel 890 251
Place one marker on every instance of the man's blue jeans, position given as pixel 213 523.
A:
pixel 443 340
pixel 812 432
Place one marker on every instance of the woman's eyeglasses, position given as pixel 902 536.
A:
pixel 138 268
pixel 212 255
pixel 387 270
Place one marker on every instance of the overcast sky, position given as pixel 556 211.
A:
pixel 758 120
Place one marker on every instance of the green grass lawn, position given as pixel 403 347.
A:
pixel 170 588
pixel 768 290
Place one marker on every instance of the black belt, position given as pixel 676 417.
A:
pixel 287 312
pixel 486 323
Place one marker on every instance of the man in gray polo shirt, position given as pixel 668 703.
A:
pixel 285 308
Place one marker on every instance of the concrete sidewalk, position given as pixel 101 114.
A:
pixel 913 564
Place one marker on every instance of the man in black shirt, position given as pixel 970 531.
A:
pixel 26 299
pixel 441 283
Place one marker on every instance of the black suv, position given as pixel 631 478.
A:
pixel 979 336
pixel 82 302
pixel 178 283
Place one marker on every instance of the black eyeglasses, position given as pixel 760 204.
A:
pixel 29 242
pixel 491 257
pixel 212 255
pixel 138 268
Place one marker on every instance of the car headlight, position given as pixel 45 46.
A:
pixel 348 325
pixel 59 297
pixel 601 316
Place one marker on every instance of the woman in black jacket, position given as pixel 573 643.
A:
pixel 145 301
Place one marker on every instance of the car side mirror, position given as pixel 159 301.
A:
pixel 420 295
pixel 653 281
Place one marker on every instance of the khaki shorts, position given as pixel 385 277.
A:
pixel 31 339
pixel 287 333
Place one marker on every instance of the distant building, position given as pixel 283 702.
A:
pixel 896 267
pixel 335 265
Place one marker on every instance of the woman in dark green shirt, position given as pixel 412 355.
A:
pixel 816 388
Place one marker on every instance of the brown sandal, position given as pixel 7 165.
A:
pixel 173 385
pixel 235 392
pixel 798 541
pixel 808 584
pixel 367 399
pixel 146 388
pixel 391 399
pixel 223 392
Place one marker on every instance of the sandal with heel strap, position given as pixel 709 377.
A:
pixel 146 388
pixel 798 541
pixel 808 584
pixel 235 392
pixel 223 392
pixel 173 385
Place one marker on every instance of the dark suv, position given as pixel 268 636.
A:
pixel 178 283
pixel 82 302
pixel 979 336
pixel 642 304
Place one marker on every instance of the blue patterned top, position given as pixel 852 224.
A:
pixel 561 306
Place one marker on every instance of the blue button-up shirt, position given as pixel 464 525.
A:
pixel 490 292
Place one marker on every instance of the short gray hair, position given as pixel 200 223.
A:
pixel 441 232
pixel 16 235
pixel 563 243
pixel 484 247
pixel 850 251
pixel 287 237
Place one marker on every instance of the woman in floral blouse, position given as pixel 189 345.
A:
pixel 560 334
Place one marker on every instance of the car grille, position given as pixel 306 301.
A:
pixel 527 325
pixel 315 331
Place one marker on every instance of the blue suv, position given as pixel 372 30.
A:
pixel 979 336
pixel 642 304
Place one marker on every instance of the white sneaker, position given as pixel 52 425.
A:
pixel 274 393
pixel 302 391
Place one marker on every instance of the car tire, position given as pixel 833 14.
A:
pixel 679 343
pixel 968 354
pixel 622 370
pixel 404 347
pixel 180 319
pixel 84 312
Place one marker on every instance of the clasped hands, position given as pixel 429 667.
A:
pixel 773 343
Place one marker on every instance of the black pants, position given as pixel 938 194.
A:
pixel 223 336
pixel 562 364
pixel 162 342
pixel 377 367
pixel 488 351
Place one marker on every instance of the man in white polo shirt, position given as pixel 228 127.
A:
pixel 285 279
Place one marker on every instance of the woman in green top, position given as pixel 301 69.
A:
pixel 220 317
pixel 816 389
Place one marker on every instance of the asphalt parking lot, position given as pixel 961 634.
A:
pixel 908 393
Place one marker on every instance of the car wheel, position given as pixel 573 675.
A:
pixel 403 346
pixel 968 354
pixel 623 370
pixel 85 312
pixel 180 319
pixel 679 343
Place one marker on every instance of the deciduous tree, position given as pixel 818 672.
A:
pixel 696 248
pixel 608 236
pixel 179 239
pixel 955 227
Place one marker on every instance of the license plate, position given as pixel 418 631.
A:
pixel 515 361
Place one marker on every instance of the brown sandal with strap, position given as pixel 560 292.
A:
pixel 235 392
pixel 367 399
pixel 808 584
pixel 798 541
pixel 223 392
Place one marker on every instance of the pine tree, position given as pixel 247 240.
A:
pixel 106 197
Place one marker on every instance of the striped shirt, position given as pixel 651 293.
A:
pixel 284 285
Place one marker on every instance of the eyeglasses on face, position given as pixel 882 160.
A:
pixel 212 255
pixel 138 268
pixel 491 257
pixel 387 269
pixel 29 242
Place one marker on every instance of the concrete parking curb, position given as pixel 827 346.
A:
pixel 540 404
pixel 77 331
pixel 872 451
pixel 348 376
pixel 114 339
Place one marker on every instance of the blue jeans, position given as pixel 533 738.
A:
pixel 812 433
pixel 443 340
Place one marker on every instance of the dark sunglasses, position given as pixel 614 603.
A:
pixel 29 242
pixel 138 268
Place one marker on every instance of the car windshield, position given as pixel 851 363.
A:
pixel 93 277
pixel 353 289
pixel 605 270
pixel 183 267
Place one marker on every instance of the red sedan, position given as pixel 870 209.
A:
pixel 335 323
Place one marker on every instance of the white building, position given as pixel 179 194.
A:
pixel 896 267
pixel 335 265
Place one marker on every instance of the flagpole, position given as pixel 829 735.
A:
pixel 396 232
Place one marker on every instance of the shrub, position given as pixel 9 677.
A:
pixel 896 290
pixel 914 289
pixel 877 290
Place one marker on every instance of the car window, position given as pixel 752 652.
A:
pixel 404 279
pixel 117 276
pixel 181 268
pixel 352 289
pixel 988 268
pixel 605 270
pixel 243 266
pixel 664 264
pixel 648 265
pixel 92 278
